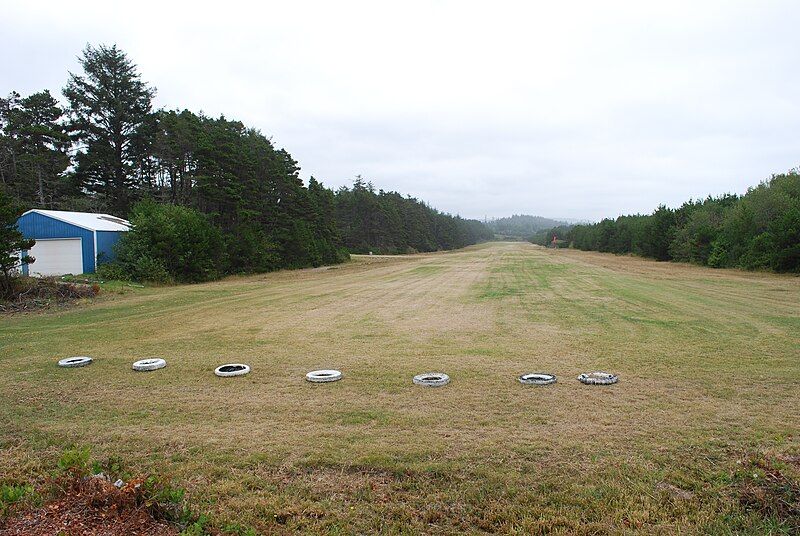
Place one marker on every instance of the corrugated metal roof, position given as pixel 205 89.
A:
pixel 87 220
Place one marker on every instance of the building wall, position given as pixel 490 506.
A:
pixel 105 245
pixel 36 225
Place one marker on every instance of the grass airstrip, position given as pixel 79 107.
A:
pixel 700 435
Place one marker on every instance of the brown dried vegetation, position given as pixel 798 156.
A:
pixel 90 506
pixel 708 360
pixel 31 293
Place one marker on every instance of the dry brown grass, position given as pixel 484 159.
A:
pixel 709 363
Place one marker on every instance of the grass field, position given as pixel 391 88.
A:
pixel 699 435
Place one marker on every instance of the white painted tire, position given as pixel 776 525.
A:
pixel 152 363
pixel 323 376
pixel 432 379
pixel 537 378
pixel 232 369
pixel 598 378
pixel 72 362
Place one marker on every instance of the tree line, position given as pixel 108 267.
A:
pixel 388 222
pixel 757 230
pixel 521 226
pixel 108 150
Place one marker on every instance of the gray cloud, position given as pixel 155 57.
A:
pixel 578 110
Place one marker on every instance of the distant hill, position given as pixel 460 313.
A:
pixel 522 225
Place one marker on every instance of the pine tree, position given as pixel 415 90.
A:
pixel 35 146
pixel 110 118
pixel 11 243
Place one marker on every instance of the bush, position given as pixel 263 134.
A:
pixel 113 271
pixel 75 460
pixel 784 233
pixel 147 268
pixel 11 494
pixel 168 242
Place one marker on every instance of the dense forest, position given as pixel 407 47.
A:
pixel 758 230
pixel 521 226
pixel 387 222
pixel 241 205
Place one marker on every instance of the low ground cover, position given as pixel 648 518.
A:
pixel 698 436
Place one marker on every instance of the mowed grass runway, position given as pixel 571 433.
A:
pixel 707 403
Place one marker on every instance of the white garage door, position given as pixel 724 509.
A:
pixel 57 257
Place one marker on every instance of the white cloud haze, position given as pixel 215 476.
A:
pixel 561 109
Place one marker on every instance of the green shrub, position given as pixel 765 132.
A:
pixel 197 527
pixel 238 530
pixel 11 494
pixel 169 242
pixel 784 233
pixel 146 268
pixel 113 271
pixel 75 459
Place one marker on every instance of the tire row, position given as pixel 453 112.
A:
pixel 429 379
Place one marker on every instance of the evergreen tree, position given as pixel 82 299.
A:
pixel 110 119
pixel 11 243
pixel 387 222
pixel 175 151
pixel 8 145
pixel 759 230
pixel 33 149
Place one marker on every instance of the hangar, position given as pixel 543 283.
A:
pixel 69 242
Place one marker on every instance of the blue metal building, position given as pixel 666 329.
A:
pixel 69 242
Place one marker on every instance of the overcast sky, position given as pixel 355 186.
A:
pixel 560 109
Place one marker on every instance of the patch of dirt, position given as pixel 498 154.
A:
pixel 793 459
pixel 770 491
pixel 91 507
pixel 675 491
